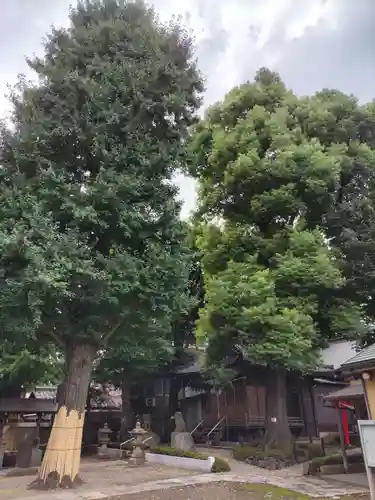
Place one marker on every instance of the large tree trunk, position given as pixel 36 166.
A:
pixel 61 461
pixel 2 425
pixel 126 414
pixel 278 434
pixel 174 390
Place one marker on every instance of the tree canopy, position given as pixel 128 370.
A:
pixel 269 187
pixel 90 236
pixel 24 367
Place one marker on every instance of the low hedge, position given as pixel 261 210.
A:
pixel 173 452
pixel 220 465
pixel 257 455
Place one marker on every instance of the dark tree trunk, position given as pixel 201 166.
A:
pixel 126 413
pixel 2 424
pixel 278 434
pixel 61 461
pixel 175 386
pixel 173 395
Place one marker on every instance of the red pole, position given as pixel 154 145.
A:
pixel 345 426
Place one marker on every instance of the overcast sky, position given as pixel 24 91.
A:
pixel 312 43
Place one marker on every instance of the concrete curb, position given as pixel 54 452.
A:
pixel 181 462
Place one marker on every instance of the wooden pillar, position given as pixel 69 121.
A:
pixel 369 386
pixel 345 426
pixel 366 400
pixel 308 409
pixel 342 440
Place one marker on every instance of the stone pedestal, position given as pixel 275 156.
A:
pixel 36 457
pixel 182 441
pixel 26 434
pixel 138 456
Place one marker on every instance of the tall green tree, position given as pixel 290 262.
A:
pixel 344 126
pixel 273 284
pixel 90 234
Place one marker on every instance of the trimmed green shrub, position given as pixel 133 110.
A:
pixel 173 452
pixel 220 465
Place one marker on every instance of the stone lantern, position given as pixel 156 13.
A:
pixel 138 456
pixel 103 438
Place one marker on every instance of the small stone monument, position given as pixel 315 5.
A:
pixel 103 439
pixel 26 435
pixel 180 439
pixel 138 456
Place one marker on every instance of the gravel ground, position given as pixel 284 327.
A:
pixel 227 491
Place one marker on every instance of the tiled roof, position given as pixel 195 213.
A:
pixel 332 357
pixel 20 405
pixel 112 399
pixel 354 391
pixel 364 357
pixel 44 393
pixel 192 362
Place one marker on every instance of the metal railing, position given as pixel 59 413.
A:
pixel 216 426
pixel 201 422
pixel 126 442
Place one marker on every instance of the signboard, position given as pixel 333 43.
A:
pixel 367 432
pixel 367 435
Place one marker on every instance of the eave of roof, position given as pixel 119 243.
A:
pixel 21 405
pixel 364 360
pixel 350 392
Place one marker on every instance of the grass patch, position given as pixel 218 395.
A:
pixel 273 492
pixel 220 465
pixel 270 492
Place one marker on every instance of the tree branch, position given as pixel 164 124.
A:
pixel 110 334
pixel 57 339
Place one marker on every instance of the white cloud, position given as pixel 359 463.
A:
pixel 313 44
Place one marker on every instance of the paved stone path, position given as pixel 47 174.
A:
pixel 312 487
pixel 97 476
pixel 149 478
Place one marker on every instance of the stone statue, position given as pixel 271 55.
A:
pixel 180 422
pixel 181 439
